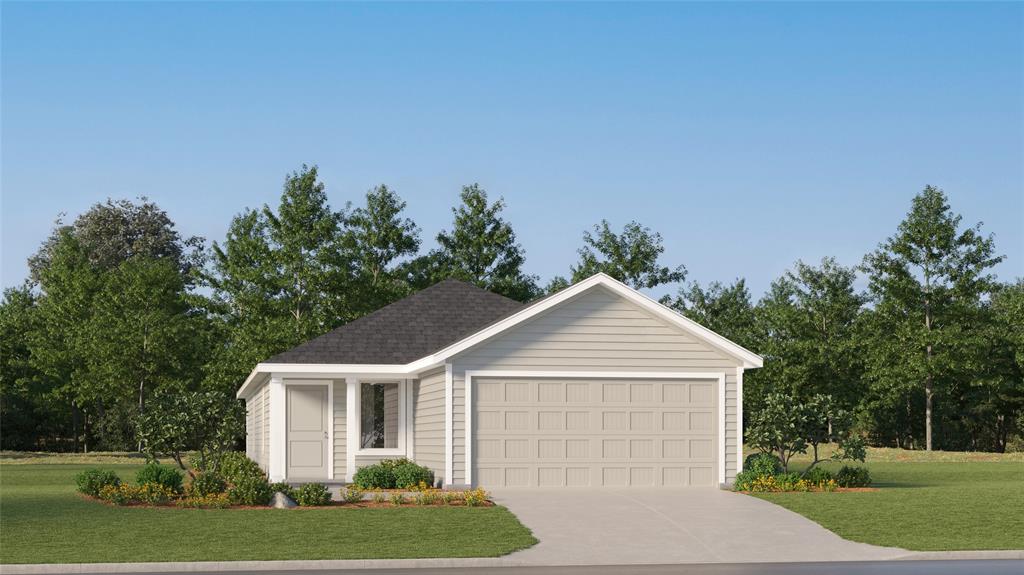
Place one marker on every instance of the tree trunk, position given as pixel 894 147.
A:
pixel 928 393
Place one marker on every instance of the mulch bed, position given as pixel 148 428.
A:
pixel 365 504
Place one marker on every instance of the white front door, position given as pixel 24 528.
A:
pixel 307 431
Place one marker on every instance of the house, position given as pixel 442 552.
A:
pixel 596 385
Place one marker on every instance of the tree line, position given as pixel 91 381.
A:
pixel 120 311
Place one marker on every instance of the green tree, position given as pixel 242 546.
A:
pixel 482 248
pixel 926 283
pixel 279 278
pixel 379 240
pixel 806 330
pixel 144 336
pixel 206 422
pixel 118 230
pixel 631 257
pixel 786 426
pixel 725 309
pixel 994 400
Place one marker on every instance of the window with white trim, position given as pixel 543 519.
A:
pixel 379 415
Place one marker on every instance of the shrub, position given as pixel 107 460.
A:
pixel 409 474
pixel 475 497
pixel 207 483
pixel 121 494
pixel 397 499
pixel 427 496
pixel 379 497
pixel 168 477
pixel 91 481
pixel 210 501
pixel 283 487
pixel 449 497
pixel 850 476
pixel 393 473
pixel 762 464
pixel 744 480
pixel 236 467
pixel 250 490
pixel 312 494
pixel 818 475
pixel 154 493
pixel 352 494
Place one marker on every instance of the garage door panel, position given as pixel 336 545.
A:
pixel 600 433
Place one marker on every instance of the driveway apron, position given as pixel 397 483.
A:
pixel 692 525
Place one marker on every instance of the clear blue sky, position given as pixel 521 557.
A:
pixel 748 135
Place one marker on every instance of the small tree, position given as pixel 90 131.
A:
pixel 786 427
pixel 204 421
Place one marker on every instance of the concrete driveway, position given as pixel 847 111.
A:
pixel 693 525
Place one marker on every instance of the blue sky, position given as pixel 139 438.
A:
pixel 749 135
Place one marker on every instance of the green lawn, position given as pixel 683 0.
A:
pixel 926 502
pixel 43 520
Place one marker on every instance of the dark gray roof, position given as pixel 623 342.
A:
pixel 408 329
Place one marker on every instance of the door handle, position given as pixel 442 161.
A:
pixel 325 435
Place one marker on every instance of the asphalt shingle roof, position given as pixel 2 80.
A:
pixel 408 329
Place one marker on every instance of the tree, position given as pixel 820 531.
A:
pixel 806 330
pixel 786 426
pixel 279 278
pixel 118 230
pixel 482 248
pixel 926 283
pixel 206 422
pixel 724 309
pixel 377 238
pixel 994 401
pixel 630 257
pixel 143 335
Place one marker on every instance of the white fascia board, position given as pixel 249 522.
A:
pixel 750 359
pixel 325 370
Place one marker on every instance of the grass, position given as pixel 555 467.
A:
pixel 937 501
pixel 43 520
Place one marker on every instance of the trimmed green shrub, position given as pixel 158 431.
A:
pixel 236 467
pixel 283 488
pixel 409 474
pixel 207 483
pixel 164 475
pixel 850 476
pixel 312 495
pixel 762 464
pixel 91 481
pixel 818 475
pixel 250 490
pixel 393 473
pixel 744 480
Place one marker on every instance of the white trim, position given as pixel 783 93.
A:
pixel 330 420
pixel 278 425
pixel 715 375
pixel 351 417
pixel 372 451
pixel 449 424
pixel 739 419
pixel 749 358
pixel 410 420
pixel 721 430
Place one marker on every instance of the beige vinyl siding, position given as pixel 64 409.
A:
pixel 428 421
pixel 595 331
pixel 257 426
pixel 340 443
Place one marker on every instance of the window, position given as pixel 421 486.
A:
pixel 379 413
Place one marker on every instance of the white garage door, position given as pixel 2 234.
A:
pixel 595 433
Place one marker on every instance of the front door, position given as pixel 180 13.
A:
pixel 307 432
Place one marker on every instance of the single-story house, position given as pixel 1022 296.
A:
pixel 596 385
